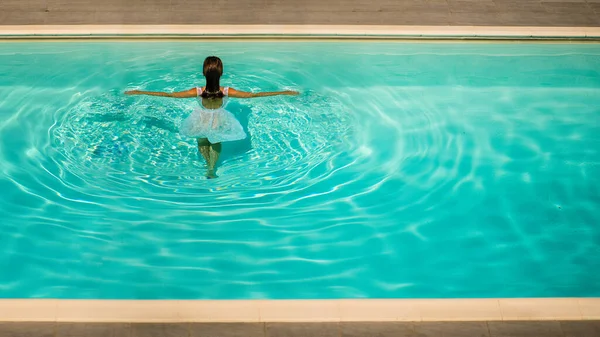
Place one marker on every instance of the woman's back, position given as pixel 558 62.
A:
pixel 212 101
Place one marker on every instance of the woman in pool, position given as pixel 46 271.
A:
pixel 212 124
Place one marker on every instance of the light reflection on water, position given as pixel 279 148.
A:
pixel 400 171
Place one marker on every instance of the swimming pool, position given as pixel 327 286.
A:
pixel 403 170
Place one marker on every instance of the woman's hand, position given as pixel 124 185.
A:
pixel 290 93
pixel 133 92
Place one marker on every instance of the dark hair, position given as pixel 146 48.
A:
pixel 212 71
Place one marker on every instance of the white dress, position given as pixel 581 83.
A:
pixel 218 125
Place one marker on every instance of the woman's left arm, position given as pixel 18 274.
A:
pixel 180 94
pixel 243 94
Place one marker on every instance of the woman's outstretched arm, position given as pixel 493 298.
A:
pixel 181 94
pixel 243 94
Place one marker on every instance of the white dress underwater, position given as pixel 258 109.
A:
pixel 218 125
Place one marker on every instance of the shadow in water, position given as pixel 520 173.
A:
pixel 239 147
pixel 114 150
pixel 148 121
pixel 160 124
pixel 120 149
pixel 107 117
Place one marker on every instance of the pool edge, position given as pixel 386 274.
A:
pixel 9 32
pixel 345 310
pixel 506 309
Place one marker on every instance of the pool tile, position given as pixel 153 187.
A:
pixel 525 329
pixel 23 6
pixel 66 5
pixel 70 18
pixel 160 330
pixel 28 310
pixel 93 330
pixel 412 6
pixel 460 310
pixel 560 31
pixel 572 19
pixel 515 6
pixel 591 31
pixel 379 310
pixel 232 16
pixel 539 309
pixel 22 18
pixel 410 12
pixel 299 311
pixel 131 18
pixel 218 311
pixel 476 6
pixel 107 5
pixel 475 19
pixel 519 18
pixel 590 308
pixel 581 328
pixel 420 18
pixel 452 329
pixel 382 329
pixel 227 330
pixel 303 329
pixel 27 329
pixel 507 31
pixel 117 311
pixel 566 7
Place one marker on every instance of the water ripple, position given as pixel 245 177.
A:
pixel 399 172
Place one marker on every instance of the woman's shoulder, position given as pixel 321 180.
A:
pixel 224 90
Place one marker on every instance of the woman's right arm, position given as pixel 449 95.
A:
pixel 243 94
pixel 181 94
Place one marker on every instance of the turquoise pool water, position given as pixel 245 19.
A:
pixel 403 170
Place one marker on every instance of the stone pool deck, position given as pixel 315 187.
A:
pixel 535 13
pixel 350 329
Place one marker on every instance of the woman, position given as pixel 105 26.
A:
pixel 212 124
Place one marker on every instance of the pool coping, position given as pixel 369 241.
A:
pixel 342 310
pixel 8 32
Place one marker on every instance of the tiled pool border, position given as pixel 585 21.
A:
pixel 363 310
pixel 297 31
